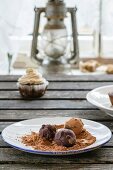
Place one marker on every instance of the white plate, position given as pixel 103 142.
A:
pixel 12 133
pixel 99 97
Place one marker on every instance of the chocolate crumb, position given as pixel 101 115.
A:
pixel 83 140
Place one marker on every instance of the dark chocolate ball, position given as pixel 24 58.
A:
pixel 47 132
pixel 65 137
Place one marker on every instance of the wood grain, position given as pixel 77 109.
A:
pixel 45 104
pixel 48 95
pixel 102 155
pixel 8 115
pixel 66 96
pixel 56 166
pixel 60 85
pixel 62 77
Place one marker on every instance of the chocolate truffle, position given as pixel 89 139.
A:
pixel 89 66
pixel 111 97
pixel 109 69
pixel 47 132
pixel 75 124
pixel 65 137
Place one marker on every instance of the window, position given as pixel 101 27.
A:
pixel 94 20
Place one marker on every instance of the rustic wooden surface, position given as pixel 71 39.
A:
pixel 66 96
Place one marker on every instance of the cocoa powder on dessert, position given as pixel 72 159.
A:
pixel 83 140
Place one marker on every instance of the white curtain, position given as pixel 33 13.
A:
pixel 17 18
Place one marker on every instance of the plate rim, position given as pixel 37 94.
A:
pixel 92 101
pixel 57 153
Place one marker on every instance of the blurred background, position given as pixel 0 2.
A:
pixel 94 23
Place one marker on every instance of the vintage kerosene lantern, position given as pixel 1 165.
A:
pixel 54 37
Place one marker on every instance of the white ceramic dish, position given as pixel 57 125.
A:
pixel 99 97
pixel 12 133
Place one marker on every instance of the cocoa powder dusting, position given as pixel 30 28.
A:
pixel 83 140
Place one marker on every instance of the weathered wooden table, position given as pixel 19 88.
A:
pixel 65 97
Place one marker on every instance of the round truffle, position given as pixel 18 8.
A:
pixel 110 94
pixel 65 137
pixel 75 124
pixel 47 132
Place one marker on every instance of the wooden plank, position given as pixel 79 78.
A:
pixel 45 104
pixel 102 155
pixel 30 114
pixel 56 166
pixel 62 77
pixel 48 95
pixel 2 143
pixel 85 77
pixel 76 86
pixel 60 85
